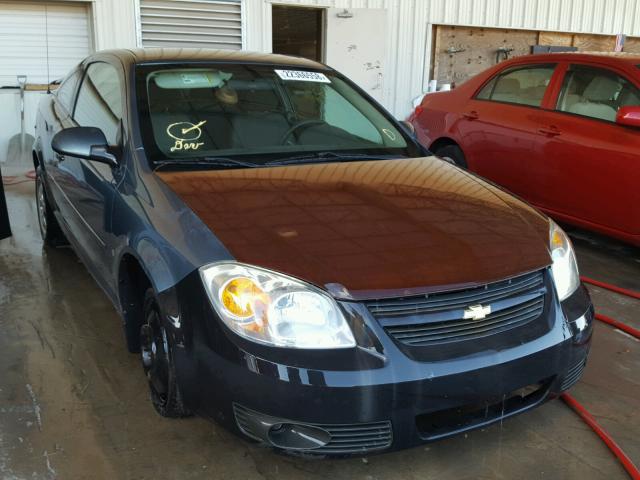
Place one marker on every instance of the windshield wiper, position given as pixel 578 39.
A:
pixel 208 161
pixel 324 156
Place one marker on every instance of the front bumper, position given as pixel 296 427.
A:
pixel 375 397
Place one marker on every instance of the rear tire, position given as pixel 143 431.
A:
pixel 453 154
pixel 158 362
pixel 49 228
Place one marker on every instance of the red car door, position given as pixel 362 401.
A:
pixel 499 126
pixel 589 170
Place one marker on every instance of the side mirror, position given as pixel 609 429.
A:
pixel 408 126
pixel 629 116
pixel 84 142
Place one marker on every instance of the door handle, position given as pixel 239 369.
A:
pixel 551 131
pixel 472 115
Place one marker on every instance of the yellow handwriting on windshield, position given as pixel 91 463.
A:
pixel 186 135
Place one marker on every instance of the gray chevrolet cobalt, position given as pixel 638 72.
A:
pixel 290 262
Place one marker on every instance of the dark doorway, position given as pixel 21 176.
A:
pixel 298 31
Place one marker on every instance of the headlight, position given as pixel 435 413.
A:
pixel 274 309
pixel 564 267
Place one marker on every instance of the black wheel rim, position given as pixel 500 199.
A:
pixel 41 203
pixel 154 348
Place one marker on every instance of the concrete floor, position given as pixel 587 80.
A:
pixel 73 402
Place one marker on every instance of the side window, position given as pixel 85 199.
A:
pixel 99 101
pixel 522 85
pixel 596 93
pixel 67 90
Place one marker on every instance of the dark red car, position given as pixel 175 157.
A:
pixel 560 130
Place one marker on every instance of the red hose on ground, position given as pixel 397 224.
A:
pixel 613 288
pixel 628 465
pixel 15 180
pixel 622 291
pixel 619 325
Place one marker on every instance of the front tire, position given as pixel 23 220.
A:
pixel 158 362
pixel 49 228
pixel 453 154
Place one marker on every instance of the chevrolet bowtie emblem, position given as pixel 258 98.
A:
pixel 477 312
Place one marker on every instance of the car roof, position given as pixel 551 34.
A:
pixel 166 55
pixel 614 57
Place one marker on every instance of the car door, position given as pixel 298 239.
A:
pixel 89 187
pixel 56 118
pixel 589 167
pixel 499 125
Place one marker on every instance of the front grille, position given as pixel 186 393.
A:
pixel 356 438
pixel 439 317
pixel 447 331
pixel 573 375
pixel 457 299
pixel 351 438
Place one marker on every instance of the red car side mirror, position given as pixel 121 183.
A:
pixel 629 116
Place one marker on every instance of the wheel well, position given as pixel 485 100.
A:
pixel 442 142
pixel 132 285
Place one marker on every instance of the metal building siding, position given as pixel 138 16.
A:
pixel 578 16
pixel 410 22
pixel 115 23
pixel 29 29
pixel 191 23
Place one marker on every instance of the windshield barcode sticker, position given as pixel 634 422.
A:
pixel 302 76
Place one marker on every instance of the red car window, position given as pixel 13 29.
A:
pixel 520 85
pixel 596 93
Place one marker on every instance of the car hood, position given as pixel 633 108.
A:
pixel 369 229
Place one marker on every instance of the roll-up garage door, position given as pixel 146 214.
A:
pixel 191 23
pixel 29 29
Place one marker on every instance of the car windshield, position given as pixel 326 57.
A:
pixel 191 114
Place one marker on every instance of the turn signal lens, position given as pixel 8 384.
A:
pixel 564 267
pixel 238 296
pixel 557 241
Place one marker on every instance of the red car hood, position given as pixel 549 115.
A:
pixel 369 229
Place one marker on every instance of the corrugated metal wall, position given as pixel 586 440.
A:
pixel 116 25
pixel 34 33
pixel 31 33
pixel 410 21
pixel 191 23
